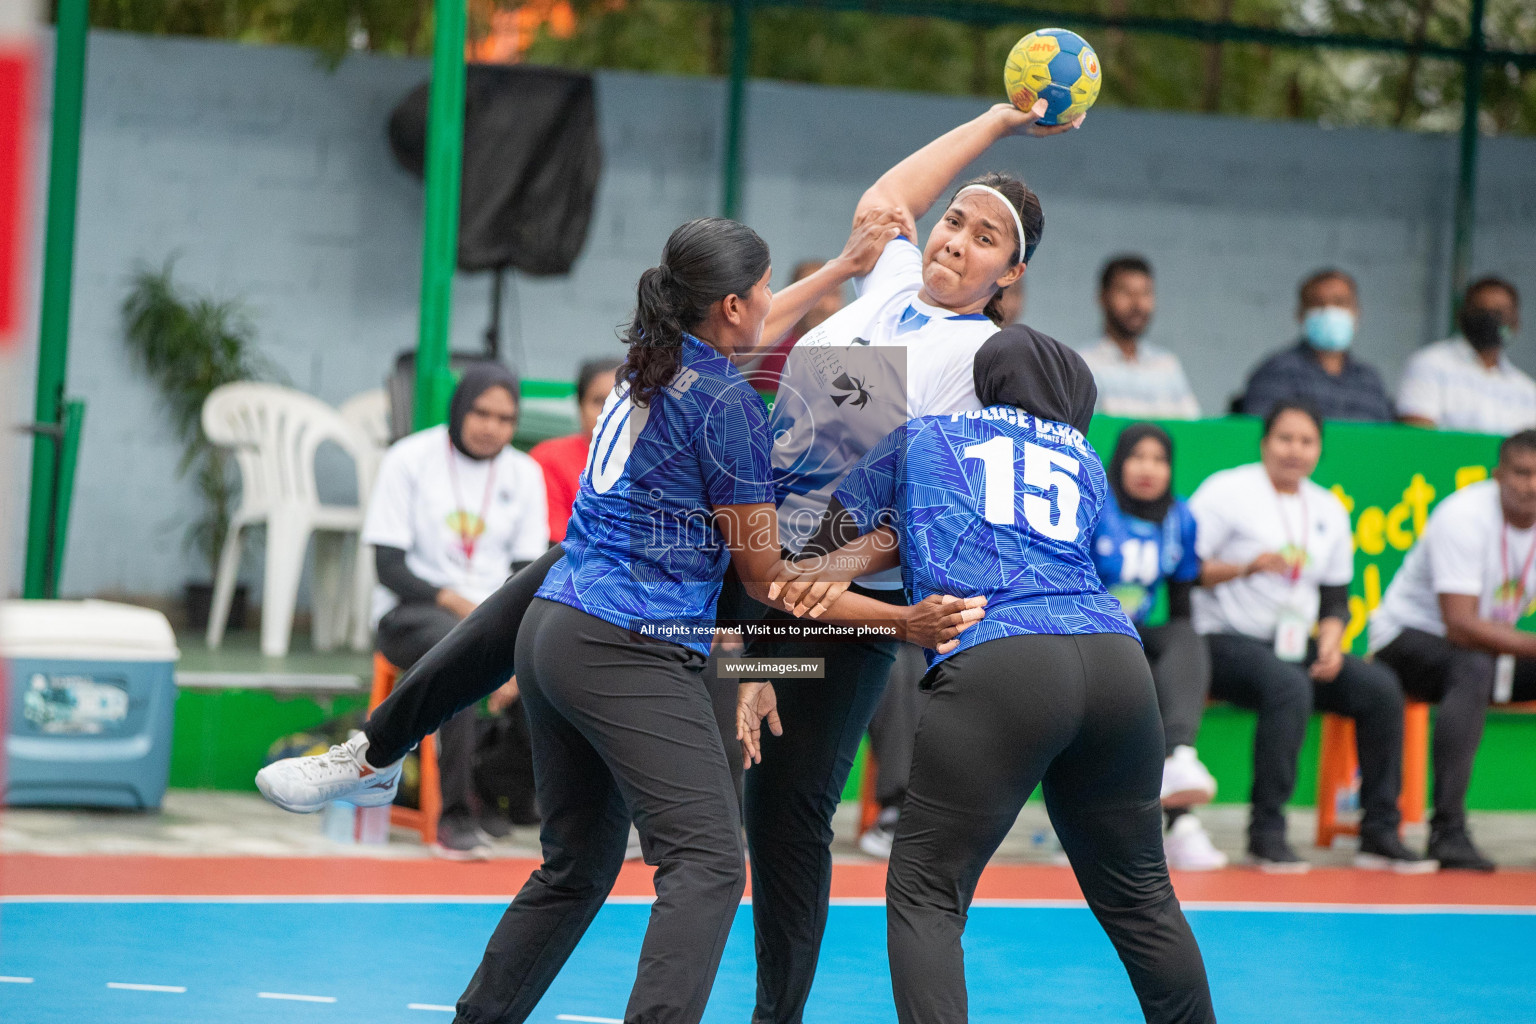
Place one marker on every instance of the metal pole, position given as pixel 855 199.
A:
pixel 440 242
pixel 735 109
pixel 58 275
pixel 1466 183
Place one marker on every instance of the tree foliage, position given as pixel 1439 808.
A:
pixel 690 37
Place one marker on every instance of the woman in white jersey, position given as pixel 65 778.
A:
pixel 904 347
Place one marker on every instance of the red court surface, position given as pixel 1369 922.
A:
pixel 34 875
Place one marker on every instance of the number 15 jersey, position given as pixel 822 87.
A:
pixel 993 502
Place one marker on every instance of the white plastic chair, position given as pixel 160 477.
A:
pixel 369 413
pixel 275 432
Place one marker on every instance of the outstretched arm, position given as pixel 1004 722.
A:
pixel 916 183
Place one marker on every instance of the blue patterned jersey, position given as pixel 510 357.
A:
pixel 1134 556
pixel 992 502
pixel 642 550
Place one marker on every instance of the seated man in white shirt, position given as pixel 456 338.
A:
pixel 1467 382
pixel 1447 627
pixel 1135 378
pixel 455 509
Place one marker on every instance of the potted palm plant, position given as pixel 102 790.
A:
pixel 187 345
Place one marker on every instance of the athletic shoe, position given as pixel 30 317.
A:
pixel 495 825
pixel 1188 847
pixel 1455 852
pixel 1273 855
pixel 459 839
pixel 1186 781
pixel 1386 852
pixel 876 840
pixel 306 784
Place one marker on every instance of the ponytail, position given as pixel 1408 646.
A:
pixel 703 262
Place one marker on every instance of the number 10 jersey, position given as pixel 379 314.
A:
pixel 993 502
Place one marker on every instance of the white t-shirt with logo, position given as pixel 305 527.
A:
pixel 1466 548
pixel 1240 516
pixel 883 359
pixel 428 500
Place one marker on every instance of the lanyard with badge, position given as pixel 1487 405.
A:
pixel 1294 617
pixel 1508 604
pixel 469 532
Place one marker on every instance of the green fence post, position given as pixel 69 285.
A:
pixel 440 234
pixel 735 108
pixel 58 275
pixel 1466 182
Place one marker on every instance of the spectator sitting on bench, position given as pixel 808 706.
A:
pixel 1276 562
pixel 455 508
pixel 1447 626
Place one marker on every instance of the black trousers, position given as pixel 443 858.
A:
pixel 1181 671
pixel 790 800
pixel 472 660
pixel 893 730
pixel 1461 681
pixel 1079 714
pixel 621 726
pixel 1246 672
pixel 404 636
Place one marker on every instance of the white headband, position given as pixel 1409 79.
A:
pixel 1018 225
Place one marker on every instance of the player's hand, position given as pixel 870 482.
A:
pixel 1023 122
pixel 1329 661
pixel 503 697
pixel 805 592
pixel 1269 561
pixel 873 229
pixel 936 621
pixel 755 702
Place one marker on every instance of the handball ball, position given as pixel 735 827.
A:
pixel 1057 66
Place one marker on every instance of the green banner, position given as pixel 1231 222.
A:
pixel 1389 478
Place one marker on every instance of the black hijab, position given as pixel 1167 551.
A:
pixel 1153 511
pixel 477 380
pixel 1021 367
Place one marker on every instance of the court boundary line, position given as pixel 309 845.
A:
pixel 1238 906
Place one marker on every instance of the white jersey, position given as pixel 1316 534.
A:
pixel 885 358
pixel 462 522
pixel 1466 548
pixel 1240 516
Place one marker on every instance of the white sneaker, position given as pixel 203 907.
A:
pixel 306 784
pixel 877 839
pixel 1186 781
pixel 1188 846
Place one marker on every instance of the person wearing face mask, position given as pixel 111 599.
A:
pixel 1320 369
pixel 455 509
pixel 1144 547
pixel 1467 381
pixel 563 458
pixel 1276 561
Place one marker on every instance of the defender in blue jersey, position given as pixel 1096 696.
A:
pixel 1051 687
pixel 1144 548
pixel 610 653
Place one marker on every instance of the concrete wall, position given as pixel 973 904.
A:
pixel 271 178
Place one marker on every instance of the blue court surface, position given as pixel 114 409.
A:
pixel 127 962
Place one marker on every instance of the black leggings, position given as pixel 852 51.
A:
pixel 1079 714
pixel 1181 671
pixel 1461 681
pixel 621 726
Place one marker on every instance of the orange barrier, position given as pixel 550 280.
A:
pixel 869 807
pixel 430 800
pixel 1337 763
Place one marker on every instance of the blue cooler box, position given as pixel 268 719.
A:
pixel 92 690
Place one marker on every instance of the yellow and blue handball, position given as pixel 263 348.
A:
pixel 1057 66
